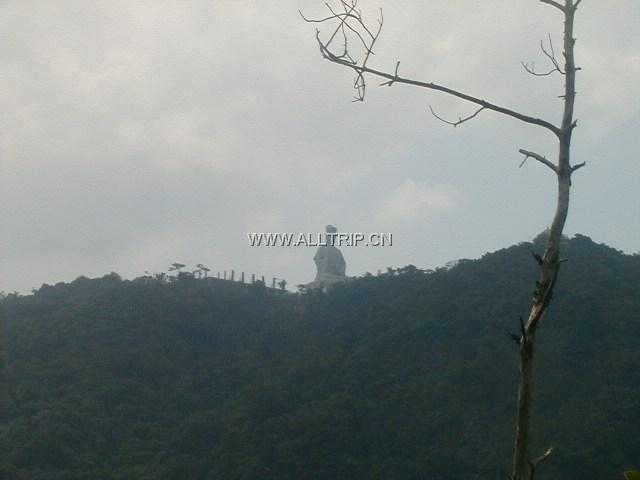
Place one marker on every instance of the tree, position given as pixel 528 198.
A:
pixel 3 373
pixel 176 267
pixel 203 269
pixel 349 28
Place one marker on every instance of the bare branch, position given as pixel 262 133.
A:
pixel 352 20
pixel 460 120
pixel 578 166
pixel 533 72
pixel 350 14
pixel 528 154
pixel 351 8
pixel 322 20
pixel 441 88
pixel 551 55
pixel 554 4
pixel 575 5
pixel 360 79
pixel 534 463
pixel 390 82
pixel 345 53
pixel 522 337
pixel 344 17
pixel 516 338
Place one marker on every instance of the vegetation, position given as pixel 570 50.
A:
pixel 406 375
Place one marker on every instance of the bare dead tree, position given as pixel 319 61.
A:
pixel 351 42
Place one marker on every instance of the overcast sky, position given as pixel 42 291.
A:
pixel 138 133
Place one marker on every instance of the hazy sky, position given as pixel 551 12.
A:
pixel 138 133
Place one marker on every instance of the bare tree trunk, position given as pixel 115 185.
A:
pixel 523 466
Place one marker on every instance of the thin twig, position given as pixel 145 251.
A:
pixel 541 458
pixel 528 154
pixel 537 74
pixel 460 120
pixel 551 55
pixel 391 82
pixel 344 17
pixel 578 166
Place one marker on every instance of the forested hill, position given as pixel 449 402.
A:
pixel 407 375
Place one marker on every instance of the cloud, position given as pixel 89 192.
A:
pixel 138 133
pixel 412 201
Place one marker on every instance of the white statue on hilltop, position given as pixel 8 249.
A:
pixel 330 264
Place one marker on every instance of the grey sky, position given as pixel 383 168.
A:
pixel 138 133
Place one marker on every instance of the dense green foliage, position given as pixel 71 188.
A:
pixel 407 375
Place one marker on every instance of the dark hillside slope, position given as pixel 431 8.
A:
pixel 409 375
